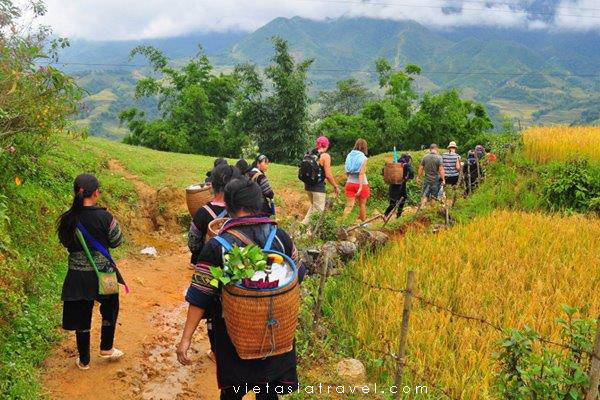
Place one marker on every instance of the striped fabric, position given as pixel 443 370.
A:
pixel 115 235
pixel 449 160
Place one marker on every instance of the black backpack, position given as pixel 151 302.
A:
pixel 310 169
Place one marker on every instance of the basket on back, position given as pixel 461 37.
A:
pixel 262 322
pixel 393 173
pixel 214 227
pixel 197 196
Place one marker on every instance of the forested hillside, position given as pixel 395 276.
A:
pixel 534 76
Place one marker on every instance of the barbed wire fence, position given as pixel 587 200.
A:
pixel 400 357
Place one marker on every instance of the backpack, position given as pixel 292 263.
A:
pixel 310 169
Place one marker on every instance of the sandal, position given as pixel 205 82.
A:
pixel 115 355
pixel 80 365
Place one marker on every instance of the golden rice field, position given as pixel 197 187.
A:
pixel 512 268
pixel 562 143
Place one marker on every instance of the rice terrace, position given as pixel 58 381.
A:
pixel 309 200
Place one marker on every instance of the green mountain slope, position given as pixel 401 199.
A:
pixel 536 76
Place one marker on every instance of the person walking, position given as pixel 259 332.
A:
pixel 432 169
pixel 357 185
pixel 398 193
pixel 257 174
pixel 242 166
pixel 236 376
pixel 317 158
pixel 80 288
pixel 451 161
pixel 197 234
pixel 216 163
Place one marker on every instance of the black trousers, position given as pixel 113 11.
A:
pixel 230 394
pixel 77 316
pixel 397 193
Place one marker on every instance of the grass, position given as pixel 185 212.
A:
pixel 159 169
pixel 32 272
pixel 562 143
pixel 505 267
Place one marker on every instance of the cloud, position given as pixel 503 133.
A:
pixel 143 19
pixel 579 15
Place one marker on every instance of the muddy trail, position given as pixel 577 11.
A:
pixel 150 321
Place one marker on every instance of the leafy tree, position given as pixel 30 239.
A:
pixel 445 117
pixel 349 97
pixel 284 114
pixel 398 85
pixel 193 103
pixel 35 101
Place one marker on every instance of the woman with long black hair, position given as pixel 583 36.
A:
pixel 221 176
pixel 235 376
pixel 80 288
pixel 257 174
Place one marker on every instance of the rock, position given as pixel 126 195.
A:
pixel 351 369
pixel 149 251
pixel 346 250
pixel 121 373
pixel 378 238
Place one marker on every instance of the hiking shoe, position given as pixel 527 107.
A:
pixel 80 365
pixel 114 356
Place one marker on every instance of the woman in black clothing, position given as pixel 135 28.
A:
pixel 398 193
pixel 257 174
pixel 221 175
pixel 80 288
pixel 244 201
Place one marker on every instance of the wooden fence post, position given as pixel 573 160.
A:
pixel 324 271
pixel 410 276
pixel 592 393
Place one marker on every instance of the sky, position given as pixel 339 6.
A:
pixel 144 19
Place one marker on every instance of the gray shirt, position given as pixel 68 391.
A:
pixel 431 164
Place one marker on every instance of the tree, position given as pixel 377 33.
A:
pixel 349 97
pixel 284 114
pixel 445 117
pixel 36 101
pixel 193 104
pixel 398 85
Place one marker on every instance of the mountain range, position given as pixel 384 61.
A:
pixel 536 76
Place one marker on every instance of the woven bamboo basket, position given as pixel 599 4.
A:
pixel 393 173
pixel 197 196
pixel 262 322
pixel 214 227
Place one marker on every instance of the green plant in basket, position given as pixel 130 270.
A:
pixel 240 263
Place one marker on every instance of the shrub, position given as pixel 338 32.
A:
pixel 572 186
pixel 549 373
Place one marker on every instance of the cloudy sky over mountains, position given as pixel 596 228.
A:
pixel 142 19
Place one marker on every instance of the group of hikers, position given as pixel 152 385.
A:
pixel 241 193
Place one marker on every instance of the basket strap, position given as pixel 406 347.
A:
pixel 226 245
pixel 210 211
pixel 222 214
pixel 270 239
pixel 270 324
pixel 241 237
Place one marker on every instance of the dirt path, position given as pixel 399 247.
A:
pixel 150 324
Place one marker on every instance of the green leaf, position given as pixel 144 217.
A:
pixel 214 283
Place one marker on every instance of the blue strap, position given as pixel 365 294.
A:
pixel 226 245
pixel 270 239
pixel 94 243
pixel 222 214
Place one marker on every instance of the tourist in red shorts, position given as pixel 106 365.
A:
pixel 357 186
